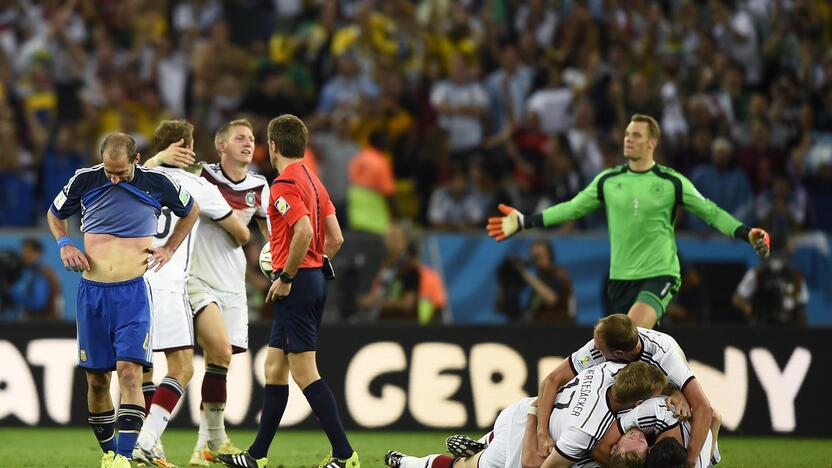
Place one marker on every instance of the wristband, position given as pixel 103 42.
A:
pixel 64 241
pixel 742 232
pixel 532 410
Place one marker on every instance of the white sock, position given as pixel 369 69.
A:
pixel 215 421
pixel 146 440
pixel 202 440
pixel 413 462
pixel 156 422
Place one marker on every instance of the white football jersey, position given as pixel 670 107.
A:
pixel 653 417
pixel 582 413
pixel 211 205
pixel 218 260
pixel 657 348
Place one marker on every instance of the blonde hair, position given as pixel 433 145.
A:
pixel 638 381
pixel 224 132
pixel 627 460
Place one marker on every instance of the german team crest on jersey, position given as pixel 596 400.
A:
pixel 657 188
pixel 282 206
pixel 251 199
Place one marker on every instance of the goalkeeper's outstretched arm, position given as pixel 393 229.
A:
pixel 513 221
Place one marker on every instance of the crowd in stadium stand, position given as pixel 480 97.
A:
pixel 433 110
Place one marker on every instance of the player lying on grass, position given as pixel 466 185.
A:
pixel 616 338
pixel 640 200
pixel 583 412
pixel 627 441
pixel 654 420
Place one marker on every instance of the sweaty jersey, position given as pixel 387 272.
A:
pixel 211 205
pixel 657 348
pixel 653 417
pixel 582 413
pixel 296 193
pixel 217 259
pixel 640 209
pixel 126 209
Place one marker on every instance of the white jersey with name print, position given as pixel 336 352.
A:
pixel 582 413
pixel 657 348
pixel 218 261
pixel 653 417
pixel 212 205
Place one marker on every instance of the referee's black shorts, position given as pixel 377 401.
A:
pixel 297 318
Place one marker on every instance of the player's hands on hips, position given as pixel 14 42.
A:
pixel 761 241
pixel 679 405
pixel 503 227
pixel 278 290
pixel 159 257
pixel 545 444
pixel 74 258
pixel 177 154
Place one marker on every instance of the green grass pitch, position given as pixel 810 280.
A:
pixel 58 448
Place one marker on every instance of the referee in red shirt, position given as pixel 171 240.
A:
pixel 305 234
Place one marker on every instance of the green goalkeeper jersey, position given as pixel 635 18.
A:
pixel 640 210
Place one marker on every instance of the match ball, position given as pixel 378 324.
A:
pixel 266 260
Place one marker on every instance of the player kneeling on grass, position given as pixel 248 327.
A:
pixel 584 411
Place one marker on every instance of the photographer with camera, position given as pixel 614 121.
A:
pixel 539 292
pixel 774 293
pixel 36 291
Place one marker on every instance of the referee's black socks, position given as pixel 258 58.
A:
pixel 323 404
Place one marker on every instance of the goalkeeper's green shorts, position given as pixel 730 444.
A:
pixel 656 292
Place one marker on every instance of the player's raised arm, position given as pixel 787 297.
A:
pixel 720 219
pixel 176 154
pixel 586 201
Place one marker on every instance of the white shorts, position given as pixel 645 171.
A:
pixel 173 322
pixel 506 448
pixel 233 308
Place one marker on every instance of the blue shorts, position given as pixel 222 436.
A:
pixel 114 324
pixel 297 318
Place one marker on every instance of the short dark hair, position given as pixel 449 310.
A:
pixel 653 129
pixel 289 134
pixel 618 331
pixel 118 142
pixel 171 131
pixel 33 244
pixel 667 453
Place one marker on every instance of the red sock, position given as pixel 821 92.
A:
pixel 168 394
pixel 442 461
pixel 148 389
pixel 214 384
